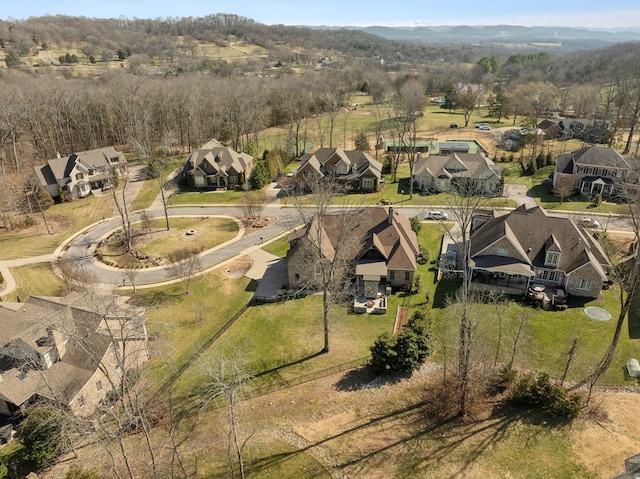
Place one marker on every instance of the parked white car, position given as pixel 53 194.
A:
pixel 436 215
pixel 589 222
pixel 483 126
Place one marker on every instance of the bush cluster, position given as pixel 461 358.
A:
pixel 551 399
pixel 404 352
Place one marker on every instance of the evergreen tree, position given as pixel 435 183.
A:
pixel 259 175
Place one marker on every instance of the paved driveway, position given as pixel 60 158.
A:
pixel 520 194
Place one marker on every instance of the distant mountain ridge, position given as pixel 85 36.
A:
pixel 571 36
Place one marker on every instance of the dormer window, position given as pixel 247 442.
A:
pixel 552 258
pixel 79 176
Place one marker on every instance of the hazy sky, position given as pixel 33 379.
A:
pixel 585 13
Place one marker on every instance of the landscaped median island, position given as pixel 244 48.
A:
pixel 152 243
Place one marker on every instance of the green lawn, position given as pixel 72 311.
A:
pixel 72 216
pixel 150 187
pixel 36 280
pixel 205 197
pixel 278 247
pixel 210 232
pixel 181 324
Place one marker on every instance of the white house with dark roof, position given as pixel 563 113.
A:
pixel 528 246
pixel 79 173
pixel 216 166
pixel 593 170
pixel 355 169
pixel 468 172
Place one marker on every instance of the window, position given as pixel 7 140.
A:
pixel 583 284
pixel 407 275
pixel 503 252
pixel 392 274
pixel 552 258
pixel 79 176
pixel 198 180
pixel 367 182
pixel 545 275
pixel 81 401
pixel 113 160
pixel 99 385
pixel 297 276
pixel 233 180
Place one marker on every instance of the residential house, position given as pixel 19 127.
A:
pixel 549 129
pixel 527 246
pixel 71 350
pixel 354 169
pixel 468 172
pixel 588 130
pixel 74 176
pixel 594 170
pixel 216 166
pixel 380 248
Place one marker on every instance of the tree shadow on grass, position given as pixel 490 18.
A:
pixel 445 289
pixel 633 318
pixel 365 378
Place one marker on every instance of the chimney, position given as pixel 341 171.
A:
pixel 390 218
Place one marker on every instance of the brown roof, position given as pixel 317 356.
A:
pixel 215 157
pixel 467 165
pixel 80 319
pixel 532 231
pixel 371 227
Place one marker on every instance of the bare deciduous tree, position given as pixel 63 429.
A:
pixel 184 264
pixel 227 378
pixel 251 205
pixel 329 260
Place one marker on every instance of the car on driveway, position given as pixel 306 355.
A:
pixel 483 126
pixel 436 215
pixel 589 222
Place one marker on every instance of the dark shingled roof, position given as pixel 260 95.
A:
pixel 531 230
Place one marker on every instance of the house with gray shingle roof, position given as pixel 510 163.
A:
pixel 77 174
pixel 594 170
pixel 354 169
pixel 216 166
pixel 530 246
pixel 72 350
pixel 381 249
pixel 469 172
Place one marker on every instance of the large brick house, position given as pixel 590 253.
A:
pixel 354 169
pixel 216 166
pixel 71 350
pixel 529 246
pixel 593 170
pixel 77 174
pixel 380 247
pixel 472 173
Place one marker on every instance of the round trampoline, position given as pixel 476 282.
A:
pixel 597 313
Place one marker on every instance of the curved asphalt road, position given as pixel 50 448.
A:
pixel 80 249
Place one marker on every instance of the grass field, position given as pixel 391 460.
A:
pixel 36 280
pixel 160 243
pixel 70 218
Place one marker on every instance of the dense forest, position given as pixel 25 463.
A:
pixel 172 90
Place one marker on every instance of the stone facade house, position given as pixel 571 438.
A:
pixel 594 170
pixel 71 350
pixel 472 173
pixel 354 169
pixel 216 166
pixel 526 246
pixel 379 248
pixel 77 174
